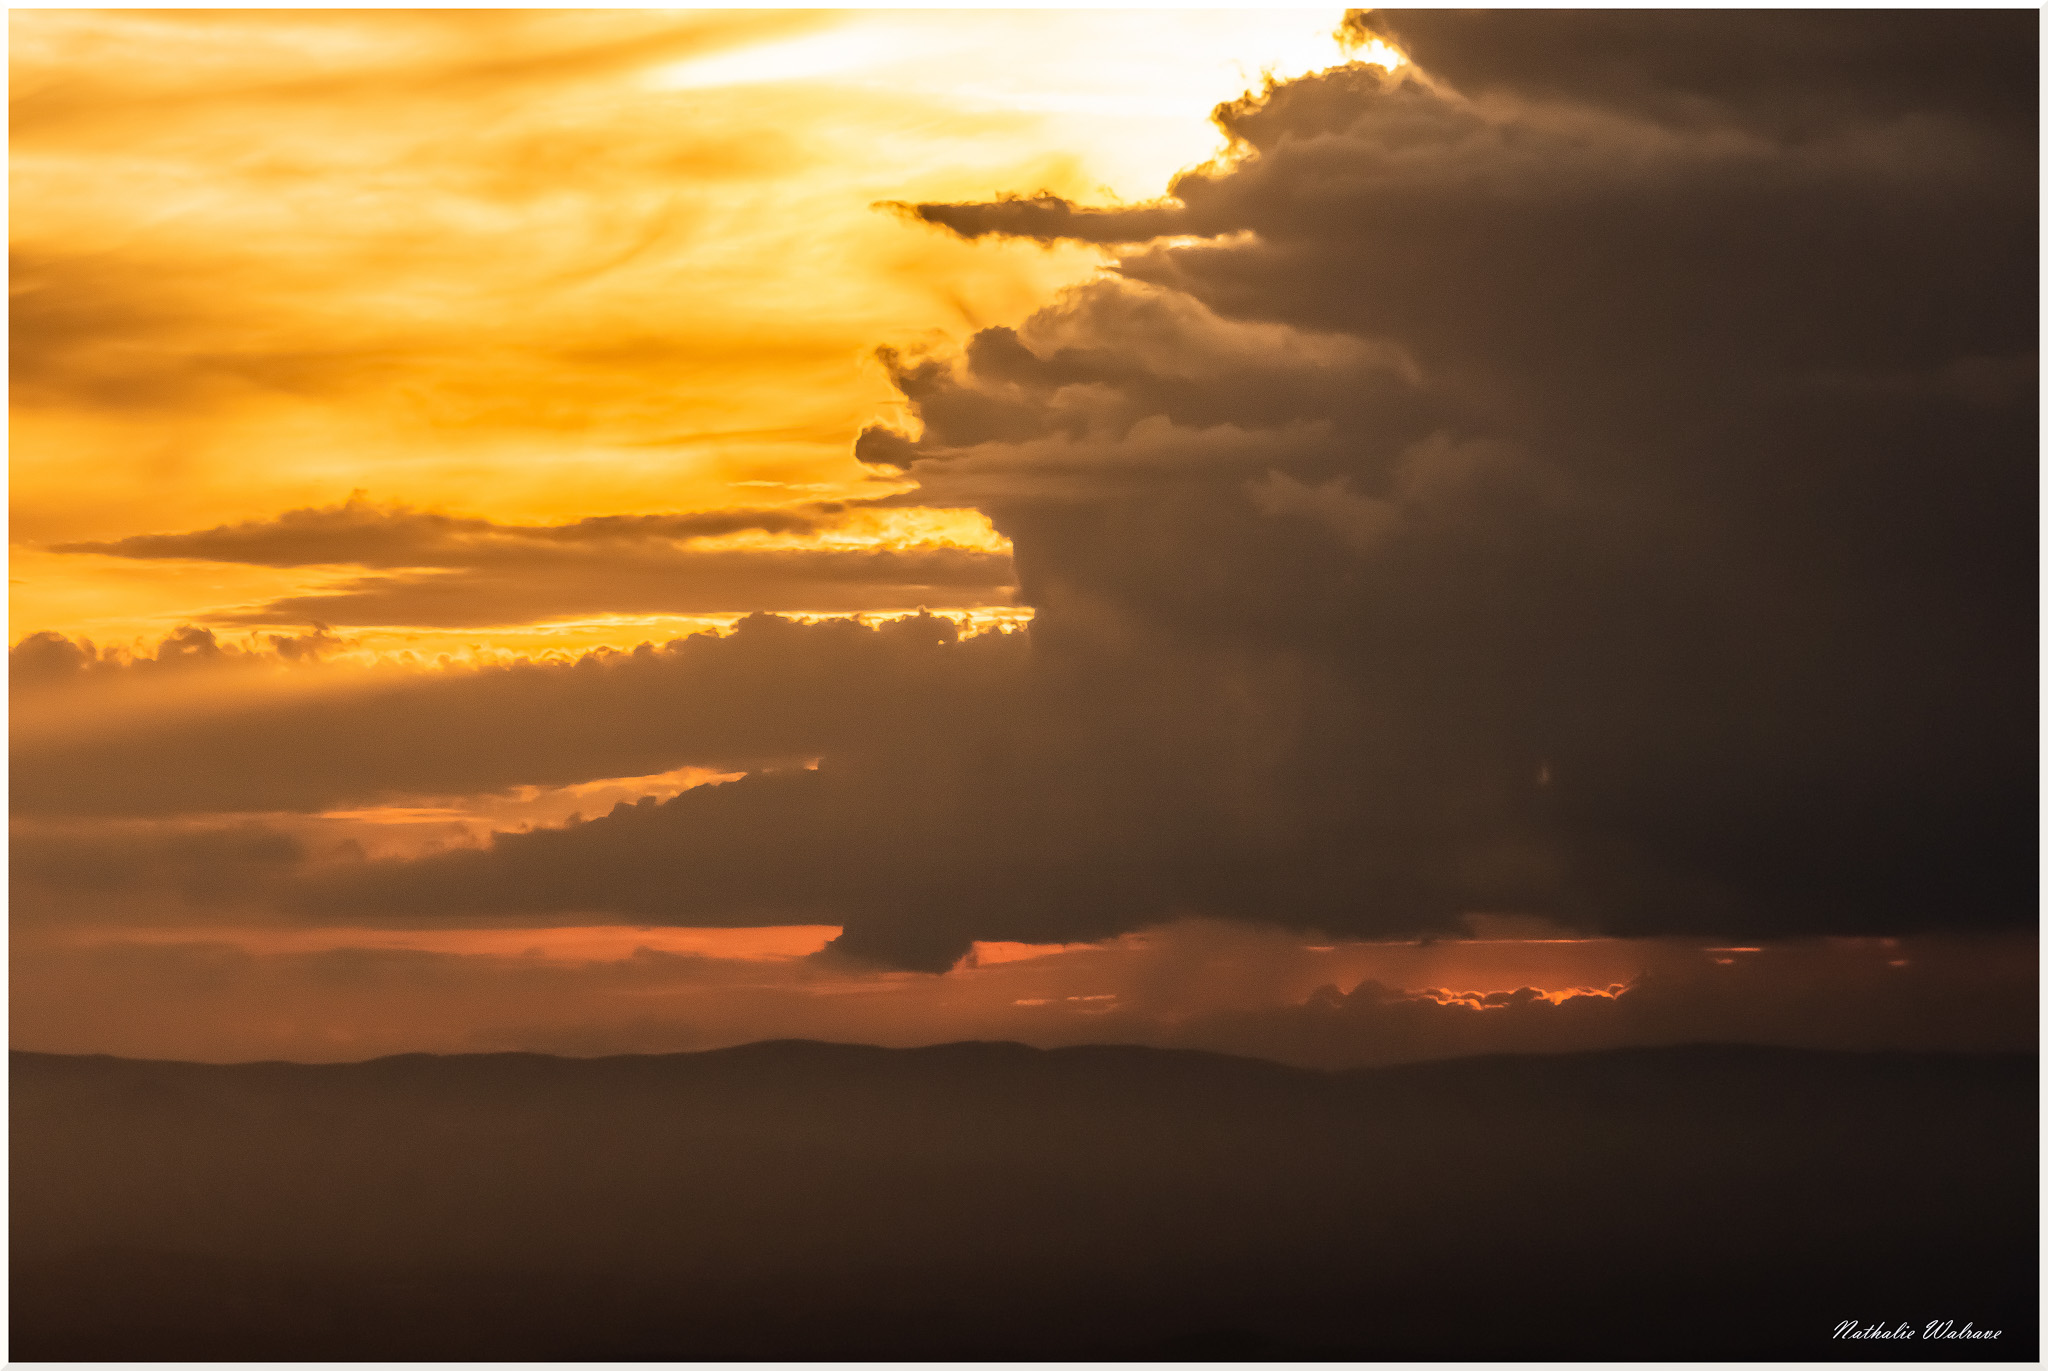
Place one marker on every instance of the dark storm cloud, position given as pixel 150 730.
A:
pixel 1687 583
pixel 1601 488
pixel 1773 70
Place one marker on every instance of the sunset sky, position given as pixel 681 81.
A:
pixel 1346 538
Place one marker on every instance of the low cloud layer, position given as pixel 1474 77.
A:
pixel 1221 987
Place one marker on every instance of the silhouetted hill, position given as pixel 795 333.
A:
pixel 810 1200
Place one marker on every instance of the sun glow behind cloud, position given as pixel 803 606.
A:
pixel 831 53
pixel 531 265
pixel 1158 74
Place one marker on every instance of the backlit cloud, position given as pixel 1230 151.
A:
pixel 1584 473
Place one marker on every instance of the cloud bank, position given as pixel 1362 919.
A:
pixel 1591 476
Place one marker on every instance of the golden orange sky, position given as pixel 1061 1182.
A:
pixel 532 267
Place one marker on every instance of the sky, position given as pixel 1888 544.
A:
pixel 1333 536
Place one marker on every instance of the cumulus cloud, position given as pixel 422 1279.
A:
pixel 1658 618
pixel 51 659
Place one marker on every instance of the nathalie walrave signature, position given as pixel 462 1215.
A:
pixel 1935 1330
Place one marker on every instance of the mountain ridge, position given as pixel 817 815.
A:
pixel 1675 1051
pixel 801 1200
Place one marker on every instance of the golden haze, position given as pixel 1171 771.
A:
pixel 531 267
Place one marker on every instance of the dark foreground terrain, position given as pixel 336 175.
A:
pixel 802 1200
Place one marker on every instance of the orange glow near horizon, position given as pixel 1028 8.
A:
pixel 995 954
pixel 409 830
pixel 1281 966
pixel 1503 999
pixel 333 994
pixel 594 943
